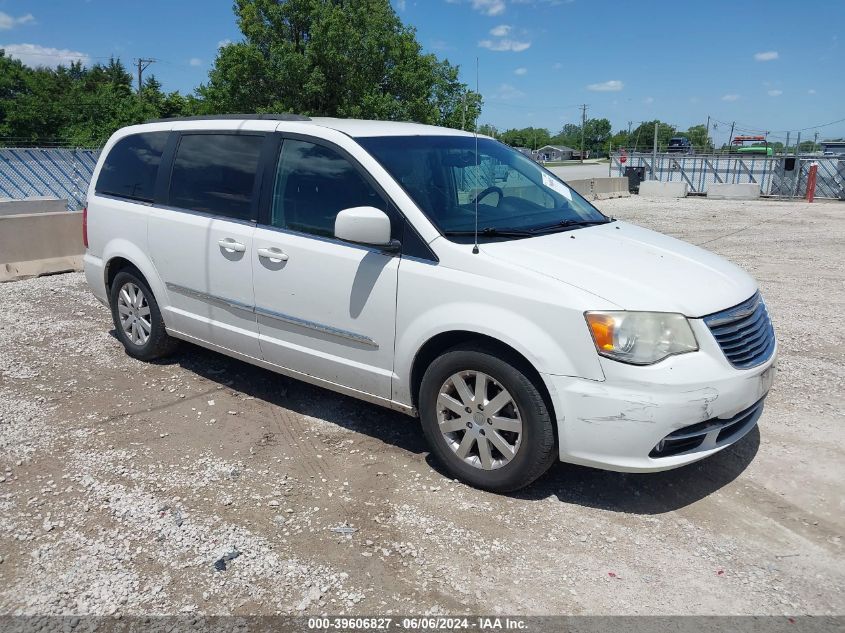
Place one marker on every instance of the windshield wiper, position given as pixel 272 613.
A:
pixel 490 231
pixel 566 224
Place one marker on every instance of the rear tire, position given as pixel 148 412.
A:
pixel 485 420
pixel 137 318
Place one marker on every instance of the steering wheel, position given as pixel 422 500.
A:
pixel 487 192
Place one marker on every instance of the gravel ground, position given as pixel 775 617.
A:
pixel 205 485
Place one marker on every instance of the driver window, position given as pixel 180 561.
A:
pixel 313 184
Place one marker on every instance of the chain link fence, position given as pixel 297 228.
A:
pixel 47 172
pixel 777 176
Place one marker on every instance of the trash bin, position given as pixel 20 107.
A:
pixel 635 176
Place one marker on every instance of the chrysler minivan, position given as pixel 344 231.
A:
pixel 440 274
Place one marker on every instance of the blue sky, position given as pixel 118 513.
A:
pixel 775 65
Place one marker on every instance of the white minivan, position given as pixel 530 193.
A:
pixel 434 272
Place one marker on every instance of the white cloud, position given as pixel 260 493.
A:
pixel 520 71
pixel 505 44
pixel 694 99
pixel 775 93
pixel 489 7
pixel 648 100
pixel 811 91
pixel 501 30
pixel 730 97
pixel 766 56
pixel 557 65
pixel 614 85
pixel 223 43
pixel 507 91
pixel 7 22
pixel 34 55
pixel 401 5
pixel 195 61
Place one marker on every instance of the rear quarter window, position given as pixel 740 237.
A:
pixel 131 167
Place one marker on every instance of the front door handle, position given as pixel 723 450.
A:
pixel 231 245
pixel 273 254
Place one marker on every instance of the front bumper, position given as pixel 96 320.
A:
pixel 616 424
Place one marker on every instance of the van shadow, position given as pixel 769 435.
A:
pixel 640 493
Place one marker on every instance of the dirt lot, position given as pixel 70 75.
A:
pixel 123 483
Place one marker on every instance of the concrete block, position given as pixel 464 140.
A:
pixel 739 191
pixel 35 204
pixel 40 243
pixel 611 187
pixel 581 186
pixel 657 189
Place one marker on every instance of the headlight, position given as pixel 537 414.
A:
pixel 641 338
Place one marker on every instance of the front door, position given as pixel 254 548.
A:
pixel 325 308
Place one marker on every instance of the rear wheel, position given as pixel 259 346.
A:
pixel 137 317
pixel 485 419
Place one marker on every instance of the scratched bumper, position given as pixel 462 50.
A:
pixel 614 424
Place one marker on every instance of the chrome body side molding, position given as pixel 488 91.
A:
pixel 279 316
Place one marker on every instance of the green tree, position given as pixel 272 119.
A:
pixel 347 58
pixel 642 138
pixel 699 138
pixel 77 105
pixel 531 137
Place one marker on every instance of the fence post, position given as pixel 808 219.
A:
pixel 811 181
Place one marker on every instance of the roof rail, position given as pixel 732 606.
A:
pixel 219 117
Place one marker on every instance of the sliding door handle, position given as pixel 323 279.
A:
pixel 273 254
pixel 231 245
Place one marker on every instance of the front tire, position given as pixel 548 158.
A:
pixel 137 317
pixel 485 420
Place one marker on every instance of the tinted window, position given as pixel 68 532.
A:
pixel 215 173
pixel 314 183
pixel 131 167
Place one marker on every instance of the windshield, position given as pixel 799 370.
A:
pixel 516 197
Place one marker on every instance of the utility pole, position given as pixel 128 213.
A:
pixel 815 140
pixel 142 64
pixel 731 137
pixel 583 125
pixel 628 138
pixel 707 134
pixel 654 153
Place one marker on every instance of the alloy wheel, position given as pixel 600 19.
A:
pixel 479 420
pixel 134 312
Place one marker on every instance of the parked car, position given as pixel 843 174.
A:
pixel 345 254
pixel 680 145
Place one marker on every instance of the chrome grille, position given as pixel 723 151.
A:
pixel 744 333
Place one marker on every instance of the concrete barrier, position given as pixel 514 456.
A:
pixel 611 187
pixel 40 243
pixel 738 191
pixel 581 186
pixel 601 188
pixel 657 189
pixel 9 206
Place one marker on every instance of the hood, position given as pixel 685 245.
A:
pixel 633 267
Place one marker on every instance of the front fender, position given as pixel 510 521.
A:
pixel 564 350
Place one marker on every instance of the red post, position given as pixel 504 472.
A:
pixel 811 182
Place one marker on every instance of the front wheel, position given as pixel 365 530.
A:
pixel 485 419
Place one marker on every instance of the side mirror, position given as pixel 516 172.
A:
pixel 364 225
